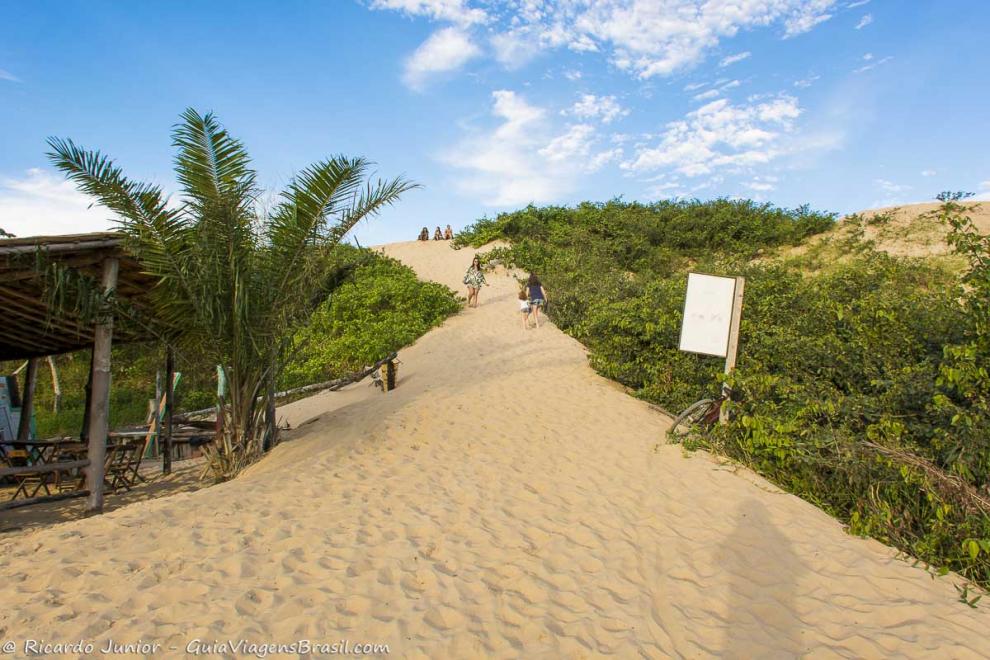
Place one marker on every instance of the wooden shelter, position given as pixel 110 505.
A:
pixel 33 325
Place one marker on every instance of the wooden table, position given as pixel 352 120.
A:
pixel 38 454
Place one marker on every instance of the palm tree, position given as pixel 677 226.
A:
pixel 234 282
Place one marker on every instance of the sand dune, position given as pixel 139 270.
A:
pixel 503 501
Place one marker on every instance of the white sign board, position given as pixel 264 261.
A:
pixel 707 314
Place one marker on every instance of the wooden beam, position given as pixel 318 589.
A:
pixel 29 273
pixel 41 333
pixel 169 409
pixel 27 400
pixel 41 312
pixel 57 248
pixel 28 341
pixel 44 468
pixel 99 412
pixel 17 504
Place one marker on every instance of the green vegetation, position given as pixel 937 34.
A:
pixel 379 307
pixel 234 281
pixel 862 383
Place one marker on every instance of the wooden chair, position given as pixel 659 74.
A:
pixel 123 462
pixel 28 481
pixel 67 481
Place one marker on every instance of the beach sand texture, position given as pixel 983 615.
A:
pixel 503 501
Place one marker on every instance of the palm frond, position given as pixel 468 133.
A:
pixel 372 200
pixel 158 235
pixel 95 174
pixel 212 167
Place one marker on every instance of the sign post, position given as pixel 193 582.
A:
pixel 712 310
pixel 730 357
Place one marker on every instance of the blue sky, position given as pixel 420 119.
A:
pixel 492 104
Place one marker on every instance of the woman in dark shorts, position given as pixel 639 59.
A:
pixel 537 296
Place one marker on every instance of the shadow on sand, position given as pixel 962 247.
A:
pixel 764 570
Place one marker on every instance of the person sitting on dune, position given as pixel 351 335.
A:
pixel 448 234
pixel 424 235
pixel 438 235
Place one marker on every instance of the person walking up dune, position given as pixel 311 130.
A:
pixel 474 278
pixel 524 307
pixel 537 296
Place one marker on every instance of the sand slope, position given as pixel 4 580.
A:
pixel 503 501
pixel 911 230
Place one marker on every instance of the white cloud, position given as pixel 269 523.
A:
pixel 646 38
pixel 603 158
pixel 704 96
pixel 576 142
pixel 525 158
pixel 445 50
pixel 806 82
pixel 8 76
pixel 42 203
pixel 515 48
pixel 575 148
pixel 806 16
pixel 665 190
pixel 928 172
pixel 720 135
pixel 762 183
pixel 732 59
pixel 500 165
pixel 454 11
pixel 693 86
pixel 858 3
pixel 572 75
pixel 872 63
pixel 589 106
pixel 863 22
pixel 890 186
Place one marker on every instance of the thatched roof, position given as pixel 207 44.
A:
pixel 29 326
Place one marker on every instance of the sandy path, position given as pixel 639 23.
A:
pixel 503 501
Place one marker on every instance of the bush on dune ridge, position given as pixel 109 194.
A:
pixel 863 386
pixel 382 308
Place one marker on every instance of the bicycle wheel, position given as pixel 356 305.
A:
pixel 691 416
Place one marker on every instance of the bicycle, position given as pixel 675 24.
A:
pixel 700 417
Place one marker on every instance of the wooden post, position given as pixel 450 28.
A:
pixel 167 426
pixel 99 410
pixel 88 390
pixel 27 400
pixel 390 375
pixel 733 348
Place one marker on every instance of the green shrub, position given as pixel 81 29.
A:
pixel 863 387
pixel 382 308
